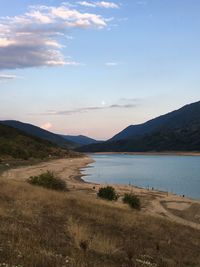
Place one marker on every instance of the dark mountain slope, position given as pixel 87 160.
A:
pixel 173 120
pixel 80 139
pixel 38 132
pixel 175 131
pixel 19 145
pixel 178 140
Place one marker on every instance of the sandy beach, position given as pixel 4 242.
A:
pixel 162 204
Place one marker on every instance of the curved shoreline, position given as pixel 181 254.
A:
pixel 154 203
pixel 160 203
pixel 68 169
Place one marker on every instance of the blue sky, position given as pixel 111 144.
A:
pixel 95 67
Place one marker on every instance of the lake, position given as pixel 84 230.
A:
pixel 176 174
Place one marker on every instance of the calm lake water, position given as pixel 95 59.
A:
pixel 176 174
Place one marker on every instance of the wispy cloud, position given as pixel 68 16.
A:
pixel 4 77
pixel 102 4
pixel 112 64
pixel 129 100
pixel 34 38
pixel 90 109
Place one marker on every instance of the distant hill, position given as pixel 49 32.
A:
pixel 176 131
pixel 19 145
pixel 80 139
pixel 41 133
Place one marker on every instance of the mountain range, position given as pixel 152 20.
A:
pixel 41 133
pixel 63 141
pixel 178 130
pixel 16 144
pixel 80 140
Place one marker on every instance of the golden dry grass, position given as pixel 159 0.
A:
pixel 190 213
pixel 43 228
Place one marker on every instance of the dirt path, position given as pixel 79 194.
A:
pixel 70 171
pixel 160 210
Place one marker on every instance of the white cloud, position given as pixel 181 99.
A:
pixel 38 16
pixel 4 77
pixel 7 76
pixel 34 38
pixel 99 4
pixel 112 64
pixel 46 126
pixel 87 4
pixel 107 4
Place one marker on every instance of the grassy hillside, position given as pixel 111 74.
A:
pixel 19 145
pixel 44 228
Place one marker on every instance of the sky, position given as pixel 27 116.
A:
pixel 95 67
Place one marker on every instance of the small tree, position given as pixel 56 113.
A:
pixel 132 200
pixel 107 193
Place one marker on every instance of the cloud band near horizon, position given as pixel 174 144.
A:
pixel 88 109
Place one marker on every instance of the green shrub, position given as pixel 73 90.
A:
pixel 132 200
pixel 108 193
pixel 48 180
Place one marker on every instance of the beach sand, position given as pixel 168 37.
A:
pixel 155 203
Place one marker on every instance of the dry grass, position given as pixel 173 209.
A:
pixel 192 213
pixel 43 228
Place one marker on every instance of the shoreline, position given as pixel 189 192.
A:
pixel 160 203
pixel 167 153
pixel 68 169
pixel 154 202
